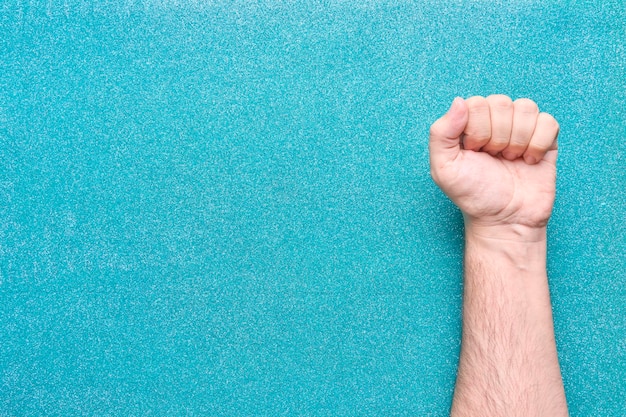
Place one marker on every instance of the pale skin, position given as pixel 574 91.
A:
pixel 496 160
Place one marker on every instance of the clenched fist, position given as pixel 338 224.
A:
pixel 496 160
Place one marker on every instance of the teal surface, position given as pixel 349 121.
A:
pixel 224 208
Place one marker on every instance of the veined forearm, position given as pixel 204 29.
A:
pixel 508 363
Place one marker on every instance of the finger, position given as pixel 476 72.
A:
pixel 501 113
pixel 543 139
pixel 478 129
pixel 445 134
pixel 551 155
pixel 525 114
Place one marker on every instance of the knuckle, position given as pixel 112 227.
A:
pixel 500 102
pixel 549 121
pixel 436 129
pixel 475 98
pixel 478 127
pixel 477 105
pixel 526 106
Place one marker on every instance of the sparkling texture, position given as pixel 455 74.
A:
pixel 224 208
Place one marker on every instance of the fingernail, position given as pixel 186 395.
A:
pixel 509 155
pixel 456 102
pixel 530 160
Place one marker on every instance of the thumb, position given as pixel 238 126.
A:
pixel 445 134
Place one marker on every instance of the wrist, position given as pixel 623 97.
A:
pixel 511 247
pixel 519 233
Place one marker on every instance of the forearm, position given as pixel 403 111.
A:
pixel 508 363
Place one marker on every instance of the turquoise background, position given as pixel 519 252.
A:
pixel 224 208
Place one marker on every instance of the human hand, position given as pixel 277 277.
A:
pixel 496 160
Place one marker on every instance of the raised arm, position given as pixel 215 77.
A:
pixel 496 160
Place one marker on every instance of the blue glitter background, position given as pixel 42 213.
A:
pixel 224 208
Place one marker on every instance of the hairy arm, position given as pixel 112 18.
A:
pixel 496 160
pixel 508 364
